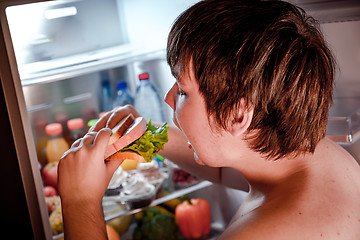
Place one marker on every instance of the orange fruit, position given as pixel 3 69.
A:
pixel 112 233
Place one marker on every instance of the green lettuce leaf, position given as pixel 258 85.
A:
pixel 150 143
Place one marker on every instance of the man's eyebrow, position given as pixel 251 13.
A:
pixel 177 75
pixel 176 72
pixel 181 75
pixel 179 79
pixel 181 82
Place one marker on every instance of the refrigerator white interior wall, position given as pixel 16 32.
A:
pixel 344 40
pixel 148 22
pixel 40 36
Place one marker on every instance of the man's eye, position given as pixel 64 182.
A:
pixel 180 93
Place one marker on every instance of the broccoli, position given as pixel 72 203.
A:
pixel 155 225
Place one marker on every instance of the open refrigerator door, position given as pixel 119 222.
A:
pixel 64 54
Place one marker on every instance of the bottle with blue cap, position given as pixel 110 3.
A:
pixel 123 96
pixel 106 91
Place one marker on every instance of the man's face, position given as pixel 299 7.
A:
pixel 191 117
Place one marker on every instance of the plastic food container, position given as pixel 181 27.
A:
pixel 137 192
pixel 182 179
pixel 153 174
pixel 120 176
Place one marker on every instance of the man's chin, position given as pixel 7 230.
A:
pixel 198 160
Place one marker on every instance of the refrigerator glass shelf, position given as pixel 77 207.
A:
pixel 114 213
pixel 77 65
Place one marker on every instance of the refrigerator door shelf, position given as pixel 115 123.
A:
pixel 77 65
pixel 344 121
pixel 344 116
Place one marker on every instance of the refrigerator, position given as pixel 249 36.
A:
pixel 54 56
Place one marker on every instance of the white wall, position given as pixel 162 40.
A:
pixel 344 40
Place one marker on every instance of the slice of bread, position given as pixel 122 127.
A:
pixel 124 134
pixel 127 155
pixel 119 130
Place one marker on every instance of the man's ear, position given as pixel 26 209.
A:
pixel 243 118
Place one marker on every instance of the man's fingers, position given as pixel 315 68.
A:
pixel 101 123
pixel 119 113
pixel 88 139
pixel 111 167
pixel 102 139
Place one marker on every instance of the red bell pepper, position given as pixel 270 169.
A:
pixel 194 217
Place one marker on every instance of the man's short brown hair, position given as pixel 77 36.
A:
pixel 268 53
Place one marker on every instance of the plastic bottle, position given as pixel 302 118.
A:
pixel 147 100
pixel 76 129
pixel 56 144
pixel 41 141
pixel 91 123
pixel 106 93
pixel 123 96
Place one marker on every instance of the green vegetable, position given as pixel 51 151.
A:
pixel 149 144
pixel 156 226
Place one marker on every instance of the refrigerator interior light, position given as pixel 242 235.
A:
pixel 60 12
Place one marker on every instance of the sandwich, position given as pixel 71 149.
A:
pixel 134 138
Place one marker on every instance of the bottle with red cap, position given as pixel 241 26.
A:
pixel 56 144
pixel 147 100
pixel 76 129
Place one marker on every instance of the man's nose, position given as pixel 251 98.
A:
pixel 170 97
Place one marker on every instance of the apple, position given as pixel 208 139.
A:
pixel 52 203
pixel 56 222
pixel 49 174
pixel 50 191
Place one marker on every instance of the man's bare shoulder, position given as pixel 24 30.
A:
pixel 267 225
pixel 321 205
pixel 294 225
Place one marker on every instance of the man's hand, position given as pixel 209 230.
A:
pixel 83 176
pixel 83 173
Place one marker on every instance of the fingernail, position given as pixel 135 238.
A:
pixel 107 130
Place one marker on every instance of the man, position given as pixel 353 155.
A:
pixel 254 83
